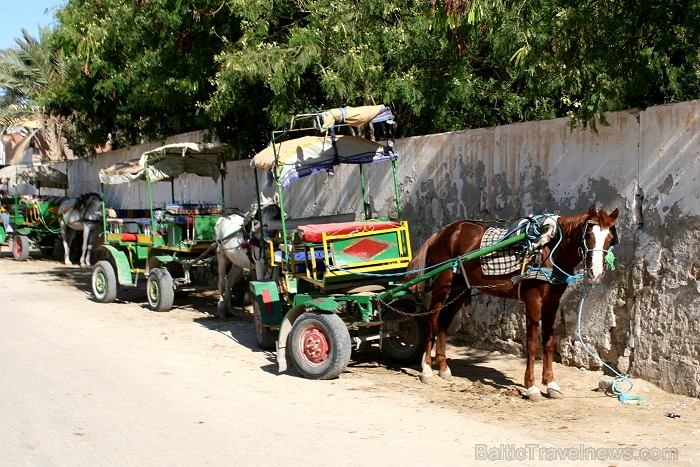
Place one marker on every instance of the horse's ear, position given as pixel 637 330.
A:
pixel 592 211
pixel 613 215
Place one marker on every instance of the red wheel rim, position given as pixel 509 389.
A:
pixel 313 345
pixel 17 247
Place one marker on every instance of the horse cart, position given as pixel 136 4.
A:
pixel 31 220
pixel 337 281
pixel 173 246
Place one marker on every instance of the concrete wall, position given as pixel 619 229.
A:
pixel 644 319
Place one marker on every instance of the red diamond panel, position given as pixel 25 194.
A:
pixel 365 249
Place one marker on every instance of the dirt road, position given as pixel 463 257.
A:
pixel 84 383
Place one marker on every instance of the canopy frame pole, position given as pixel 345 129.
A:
pixel 396 189
pixel 365 202
pixel 222 173
pixel 150 199
pixel 104 207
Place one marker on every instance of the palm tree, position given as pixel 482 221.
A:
pixel 26 72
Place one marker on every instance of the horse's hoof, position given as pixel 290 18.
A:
pixel 533 394
pixel 554 391
pixel 446 375
pixel 426 378
pixel 220 313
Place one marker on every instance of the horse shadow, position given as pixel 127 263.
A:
pixel 475 369
pixel 472 368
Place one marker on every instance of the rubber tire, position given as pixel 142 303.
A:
pixel 159 289
pixel 20 247
pixel 47 246
pixel 334 338
pixel 241 295
pixel 266 337
pixel 104 282
pixel 408 346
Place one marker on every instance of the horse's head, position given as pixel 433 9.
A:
pixel 598 238
pixel 90 206
pixel 269 211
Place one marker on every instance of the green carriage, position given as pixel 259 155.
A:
pixel 323 297
pixel 31 221
pixel 171 246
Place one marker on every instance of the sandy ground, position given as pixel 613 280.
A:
pixel 85 383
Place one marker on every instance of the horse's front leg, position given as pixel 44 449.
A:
pixel 549 313
pixel 446 316
pixel 426 375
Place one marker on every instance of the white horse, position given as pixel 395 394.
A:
pixel 80 214
pixel 238 245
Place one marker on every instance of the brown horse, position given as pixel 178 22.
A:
pixel 586 237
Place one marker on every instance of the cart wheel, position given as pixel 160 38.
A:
pixel 265 336
pixel 20 247
pixel 242 296
pixel 405 345
pixel 159 289
pixel 47 246
pixel 104 282
pixel 319 345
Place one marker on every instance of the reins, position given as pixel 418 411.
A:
pixel 622 395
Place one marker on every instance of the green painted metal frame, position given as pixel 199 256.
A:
pixel 133 257
pixel 34 231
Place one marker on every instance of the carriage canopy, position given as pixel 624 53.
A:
pixel 292 159
pixel 297 158
pixel 300 157
pixel 41 176
pixel 170 161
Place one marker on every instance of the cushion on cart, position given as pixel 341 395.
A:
pixel 313 233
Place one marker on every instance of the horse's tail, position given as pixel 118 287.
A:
pixel 418 264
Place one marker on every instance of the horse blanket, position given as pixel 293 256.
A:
pixel 503 260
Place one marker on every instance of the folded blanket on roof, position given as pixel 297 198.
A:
pixel 356 116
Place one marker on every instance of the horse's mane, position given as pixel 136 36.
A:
pixel 571 224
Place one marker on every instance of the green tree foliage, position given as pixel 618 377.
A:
pixel 587 57
pixel 26 72
pixel 327 53
pixel 147 69
pixel 139 69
